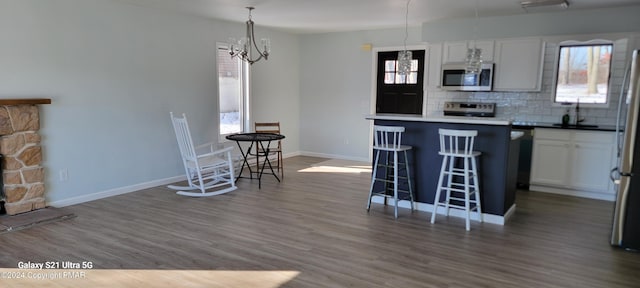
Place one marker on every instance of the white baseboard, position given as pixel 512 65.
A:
pixel 576 193
pixel 293 154
pixel 425 207
pixel 509 213
pixel 115 191
pixel 136 187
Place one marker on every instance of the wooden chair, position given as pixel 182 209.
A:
pixel 206 170
pixel 276 147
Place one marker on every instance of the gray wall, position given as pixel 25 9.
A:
pixel 565 22
pixel 336 90
pixel 113 72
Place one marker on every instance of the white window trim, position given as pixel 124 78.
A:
pixel 556 62
pixel 245 113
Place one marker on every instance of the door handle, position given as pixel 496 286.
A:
pixel 613 172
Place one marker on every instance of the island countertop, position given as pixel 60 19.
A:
pixel 440 119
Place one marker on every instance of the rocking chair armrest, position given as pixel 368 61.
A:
pixel 214 152
pixel 210 145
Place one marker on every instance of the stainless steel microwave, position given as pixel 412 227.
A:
pixel 454 77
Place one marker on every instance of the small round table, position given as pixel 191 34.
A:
pixel 257 139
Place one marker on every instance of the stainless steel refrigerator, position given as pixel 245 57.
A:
pixel 626 218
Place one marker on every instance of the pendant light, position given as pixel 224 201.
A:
pixel 405 56
pixel 474 55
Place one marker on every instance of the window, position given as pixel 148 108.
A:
pixel 395 93
pixel 232 92
pixel 583 73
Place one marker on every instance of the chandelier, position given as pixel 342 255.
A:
pixel 244 47
pixel 474 55
pixel 404 57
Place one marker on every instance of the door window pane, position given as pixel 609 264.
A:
pixel 392 76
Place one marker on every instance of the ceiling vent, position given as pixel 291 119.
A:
pixel 544 5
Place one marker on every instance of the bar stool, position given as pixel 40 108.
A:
pixel 457 145
pixel 388 139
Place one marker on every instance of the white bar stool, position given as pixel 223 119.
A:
pixel 458 145
pixel 389 140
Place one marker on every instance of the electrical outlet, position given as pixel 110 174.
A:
pixel 63 175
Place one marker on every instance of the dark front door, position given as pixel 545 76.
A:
pixel 395 93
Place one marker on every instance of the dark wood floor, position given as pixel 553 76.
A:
pixel 315 223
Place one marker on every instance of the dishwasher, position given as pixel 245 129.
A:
pixel 524 159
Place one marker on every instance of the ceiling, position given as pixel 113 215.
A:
pixel 318 16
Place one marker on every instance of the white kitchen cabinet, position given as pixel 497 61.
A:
pixel 518 64
pixel 457 51
pixel 593 157
pixel 573 162
pixel 454 51
pixel 550 162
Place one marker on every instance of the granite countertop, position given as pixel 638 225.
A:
pixel 487 121
pixel 591 127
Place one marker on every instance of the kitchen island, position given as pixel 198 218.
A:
pixel 497 165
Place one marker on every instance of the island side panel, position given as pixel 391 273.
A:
pixel 512 174
pixel 492 140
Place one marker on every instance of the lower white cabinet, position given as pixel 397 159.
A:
pixel 573 162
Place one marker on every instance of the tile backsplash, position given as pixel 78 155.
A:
pixel 537 106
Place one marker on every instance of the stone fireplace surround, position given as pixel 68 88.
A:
pixel 20 144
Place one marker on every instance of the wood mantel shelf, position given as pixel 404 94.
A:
pixel 25 101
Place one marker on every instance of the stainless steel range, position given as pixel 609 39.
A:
pixel 470 109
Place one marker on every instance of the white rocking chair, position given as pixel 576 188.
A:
pixel 211 169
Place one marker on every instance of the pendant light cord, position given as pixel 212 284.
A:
pixel 406 25
pixel 475 27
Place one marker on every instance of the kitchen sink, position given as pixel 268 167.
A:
pixel 574 126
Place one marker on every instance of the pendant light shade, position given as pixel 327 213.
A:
pixel 404 62
pixel 474 60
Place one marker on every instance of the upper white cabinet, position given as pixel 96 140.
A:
pixel 518 61
pixel 454 51
pixel 518 64
pixel 457 51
